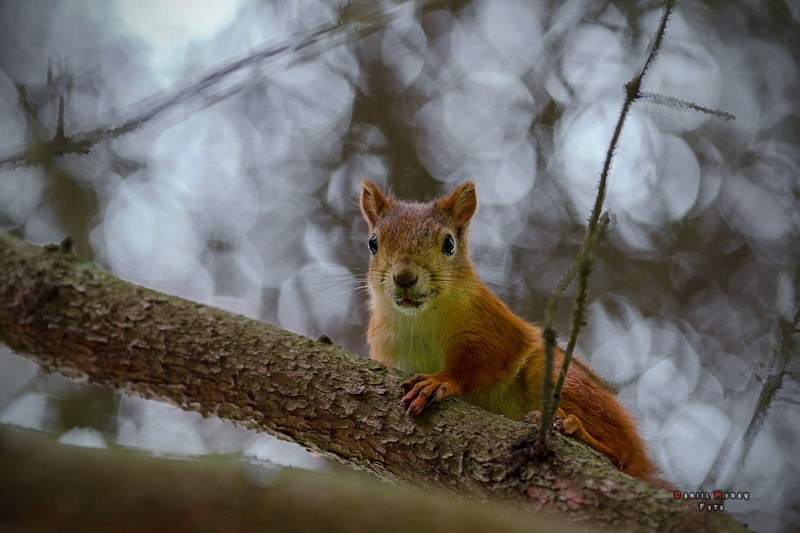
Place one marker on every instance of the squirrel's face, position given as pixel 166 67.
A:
pixel 417 251
pixel 412 263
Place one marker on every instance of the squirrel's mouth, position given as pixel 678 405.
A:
pixel 409 302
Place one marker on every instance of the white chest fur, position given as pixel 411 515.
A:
pixel 414 344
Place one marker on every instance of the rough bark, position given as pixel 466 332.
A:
pixel 73 318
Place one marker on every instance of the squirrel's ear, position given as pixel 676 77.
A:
pixel 373 203
pixel 460 204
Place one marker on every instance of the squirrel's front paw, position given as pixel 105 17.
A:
pixel 423 389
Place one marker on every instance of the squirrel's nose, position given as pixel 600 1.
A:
pixel 405 278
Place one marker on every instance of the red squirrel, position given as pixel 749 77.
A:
pixel 432 316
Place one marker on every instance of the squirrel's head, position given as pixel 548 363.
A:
pixel 418 251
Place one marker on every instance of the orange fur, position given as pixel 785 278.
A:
pixel 432 316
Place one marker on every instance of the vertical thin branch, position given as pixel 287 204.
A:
pixel 582 267
pixel 549 349
pixel 772 384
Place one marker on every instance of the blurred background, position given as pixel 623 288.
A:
pixel 236 185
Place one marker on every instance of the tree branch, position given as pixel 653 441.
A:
pixel 75 319
pixel 48 486
pixel 357 19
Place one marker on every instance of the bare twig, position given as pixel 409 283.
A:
pixel 357 20
pixel 583 263
pixel 683 104
pixel 772 383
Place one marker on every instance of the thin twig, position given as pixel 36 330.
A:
pixel 683 104
pixel 583 263
pixel 772 383
pixel 357 20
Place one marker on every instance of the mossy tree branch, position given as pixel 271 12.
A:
pixel 73 318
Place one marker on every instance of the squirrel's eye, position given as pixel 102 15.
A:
pixel 448 245
pixel 373 244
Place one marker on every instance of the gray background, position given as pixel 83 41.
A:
pixel 249 202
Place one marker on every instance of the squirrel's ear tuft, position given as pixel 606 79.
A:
pixel 373 203
pixel 461 204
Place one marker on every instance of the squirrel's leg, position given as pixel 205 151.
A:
pixel 571 425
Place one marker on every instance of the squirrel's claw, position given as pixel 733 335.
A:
pixel 422 390
pixel 408 384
